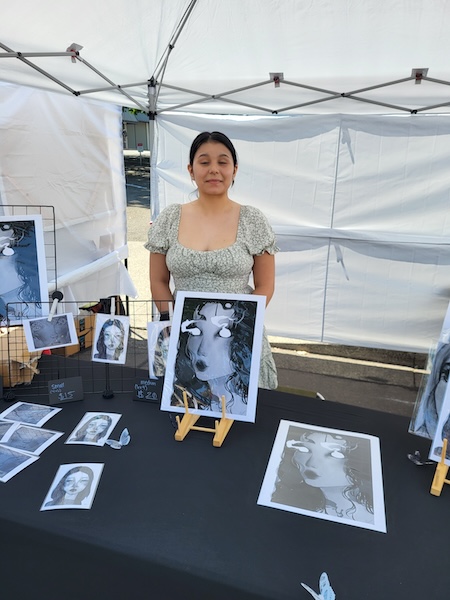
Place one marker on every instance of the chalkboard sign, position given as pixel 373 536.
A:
pixel 148 390
pixel 61 391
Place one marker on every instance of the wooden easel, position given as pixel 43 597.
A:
pixel 441 472
pixel 220 429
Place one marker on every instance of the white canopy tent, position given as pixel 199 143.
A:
pixel 341 116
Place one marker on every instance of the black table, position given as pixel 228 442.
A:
pixel 180 520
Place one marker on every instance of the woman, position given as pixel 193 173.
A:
pixel 111 340
pixel 19 283
pixel 94 430
pixel 426 419
pixel 214 355
pixel 73 487
pixel 213 244
pixel 326 473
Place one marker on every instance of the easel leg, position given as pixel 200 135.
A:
pixel 440 475
pixel 185 425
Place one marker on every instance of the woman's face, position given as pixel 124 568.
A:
pixel 208 345
pixel 75 483
pixel 213 169
pixel 96 426
pixel 112 337
pixel 316 463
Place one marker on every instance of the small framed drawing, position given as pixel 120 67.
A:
pixel 58 332
pixel 430 397
pixel 214 353
pixel 74 486
pixel 23 285
pixel 326 473
pixel 442 431
pixel 94 429
pixel 110 339
pixel 158 337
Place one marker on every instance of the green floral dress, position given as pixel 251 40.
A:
pixel 226 270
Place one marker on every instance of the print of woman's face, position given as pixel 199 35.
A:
pixel 75 483
pixel 441 386
pixel 209 341
pixel 96 426
pixel 112 337
pixel 320 460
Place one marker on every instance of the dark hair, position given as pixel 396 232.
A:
pixel 212 136
pixel 289 484
pixel 241 344
pixel 101 346
pixel 59 493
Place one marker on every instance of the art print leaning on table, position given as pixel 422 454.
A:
pixel 23 281
pixel 214 352
pixel 326 473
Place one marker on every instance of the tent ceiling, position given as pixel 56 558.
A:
pixel 201 51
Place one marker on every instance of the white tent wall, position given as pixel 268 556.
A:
pixel 57 151
pixel 360 209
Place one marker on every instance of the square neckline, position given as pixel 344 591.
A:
pixel 238 231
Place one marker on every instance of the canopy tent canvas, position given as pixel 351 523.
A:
pixel 340 115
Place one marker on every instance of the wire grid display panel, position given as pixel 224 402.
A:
pixel 71 361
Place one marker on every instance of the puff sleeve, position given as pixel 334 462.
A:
pixel 164 230
pixel 257 232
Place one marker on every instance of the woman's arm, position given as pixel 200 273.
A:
pixel 159 282
pixel 264 275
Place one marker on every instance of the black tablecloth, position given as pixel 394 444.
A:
pixel 179 519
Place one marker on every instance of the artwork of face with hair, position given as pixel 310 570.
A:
pixel 214 359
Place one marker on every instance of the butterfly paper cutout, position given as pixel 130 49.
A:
pixel 325 590
pixel 123 440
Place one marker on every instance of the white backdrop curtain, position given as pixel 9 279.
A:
pixel 360 209
pixel 57 151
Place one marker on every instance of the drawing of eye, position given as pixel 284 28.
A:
pixel 190 327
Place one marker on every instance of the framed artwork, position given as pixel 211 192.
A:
pixel 158 338
pixel 42 333
pixel 94 429
pixel 326 473
pixel 214 354
pixel 432 390
pixel 74 486
pixel 110 339
pixel 23 284
pixel 442 431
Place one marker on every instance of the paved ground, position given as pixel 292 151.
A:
pixel 378 379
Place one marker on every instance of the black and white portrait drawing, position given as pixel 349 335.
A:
pixel 74 486
pixel 94 429
pixel 214 353
pixel 23 282
pixel 442 431
pixel 12 462
pixel 430 398
pixel 29 413
pixel 55 333
pixel 29 439
pixel 158 337
pixel 326 473
pixel 110 339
